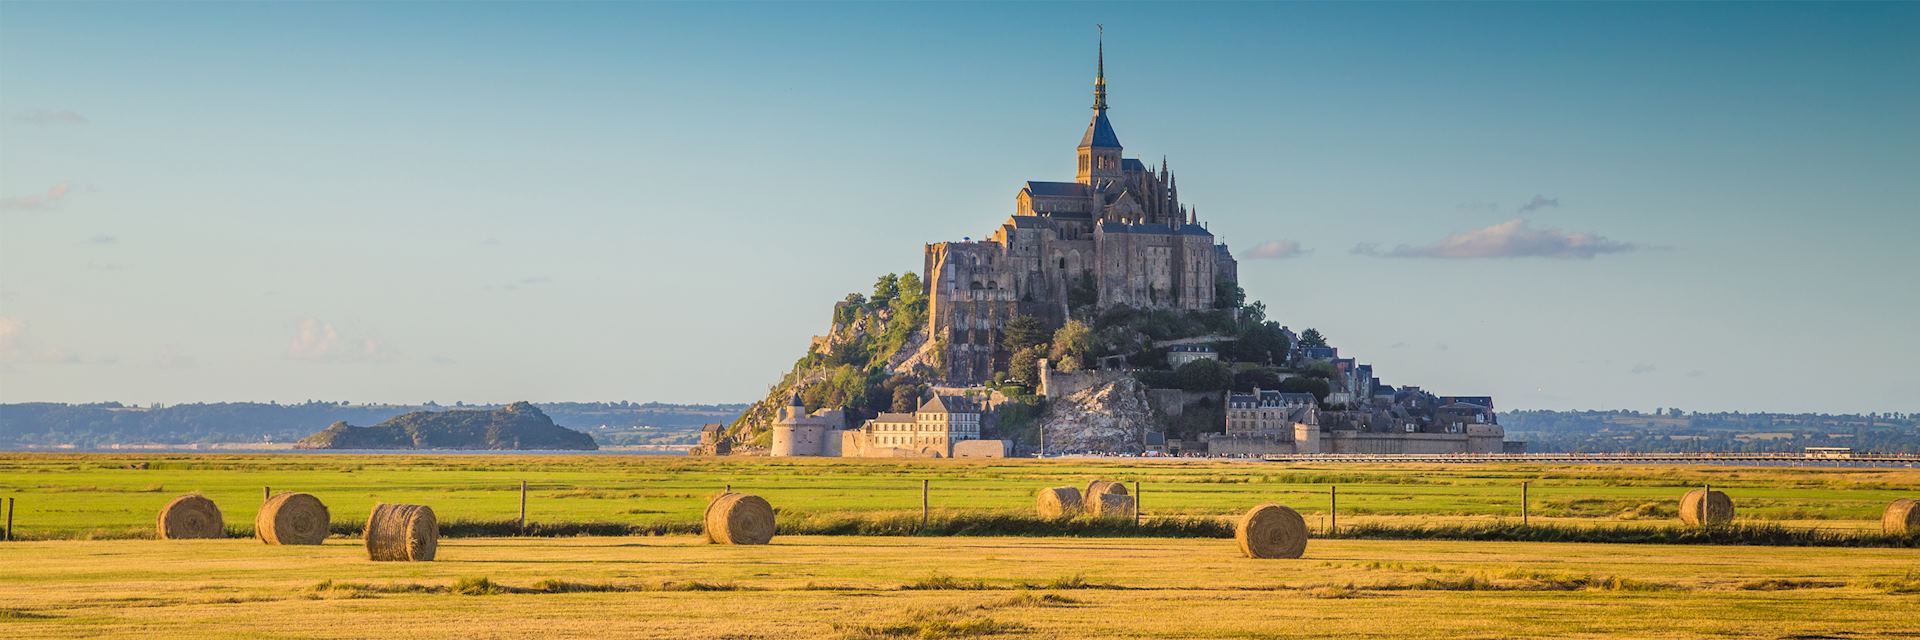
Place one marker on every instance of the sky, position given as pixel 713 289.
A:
pixel 1709 206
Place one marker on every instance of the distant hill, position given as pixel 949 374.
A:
pixel 517 426
pixel 1671 430
pixel 105 424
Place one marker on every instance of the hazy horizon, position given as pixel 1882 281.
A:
pixel 1565 206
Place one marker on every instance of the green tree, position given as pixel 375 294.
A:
pixel 1204 375
pixel 1247 381
pixel 1312 338
pixel 1318 387
pixel 906 398
pixel 910 287
pixel 886 289
pixel 1227 294
pixel 1025 331
pixel 1024 367
pixel 1264 343
pixel 1072 346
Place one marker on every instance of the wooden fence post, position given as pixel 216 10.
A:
pixel 523 507
pixel 923 504
pixel 9 519
pixel 266 493
pixel 1523 503
pixel 1333 509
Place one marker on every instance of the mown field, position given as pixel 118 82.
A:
pixel 854 587
pixel 68 496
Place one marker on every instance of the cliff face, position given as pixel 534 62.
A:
pixel 871 346
pixel 517 426
pixel 1109 415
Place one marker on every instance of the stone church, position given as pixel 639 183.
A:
pixel 1117 235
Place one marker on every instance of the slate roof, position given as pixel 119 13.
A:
pixel 1100 133
pixel 947 404
pixel 1038 188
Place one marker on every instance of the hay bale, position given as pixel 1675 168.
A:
pixel 1102 486
pixel 192 516
pixel 292 518
pixel 739 518
pixel 1271 531
pixel 1110 505
pixel 1058 503
pixel 1902 517
pixel 1703 508
pixel 402 532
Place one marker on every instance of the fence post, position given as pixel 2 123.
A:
pixel 9 519
pixel 523 507
pixel 1333 509
pixel 923 504
pixel 266 493
pixel 1136 503
pixel 1523 503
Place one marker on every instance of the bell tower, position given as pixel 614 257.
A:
pixel 1099 148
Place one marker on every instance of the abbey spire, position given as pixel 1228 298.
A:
pixel 1099 148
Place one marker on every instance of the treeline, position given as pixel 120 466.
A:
pixel 1674 430
pixel 41 424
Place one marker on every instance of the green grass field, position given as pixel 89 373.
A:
pixel 58 584
pixel 65 496
pixel 853 587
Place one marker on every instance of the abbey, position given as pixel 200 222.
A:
pixel 1117 235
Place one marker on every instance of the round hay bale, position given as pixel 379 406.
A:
pixel 1102 486
pixel 292 518
pixel 1110 505
pixel 402 532
pixel 1271 531
pixel 191 516
pixel 1902 517
pixel 1058 503
pixel 739 518
pixel 1703 508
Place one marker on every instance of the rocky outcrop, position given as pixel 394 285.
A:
pixel 1110 415
pixel 516 426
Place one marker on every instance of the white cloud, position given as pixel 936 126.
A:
pixel 1277 250
pixel 46 118
pixel 1511 239
pixel 318 341
pixel 39 201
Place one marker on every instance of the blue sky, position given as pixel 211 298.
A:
pixel 492 202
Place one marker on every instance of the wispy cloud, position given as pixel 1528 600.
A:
pixel 319 341
pixel 1514 238
pixel 1539 202
pixel 102 239
pixel 1642 368
pixel 1277 250
pixel 38 201
pixel 45 118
